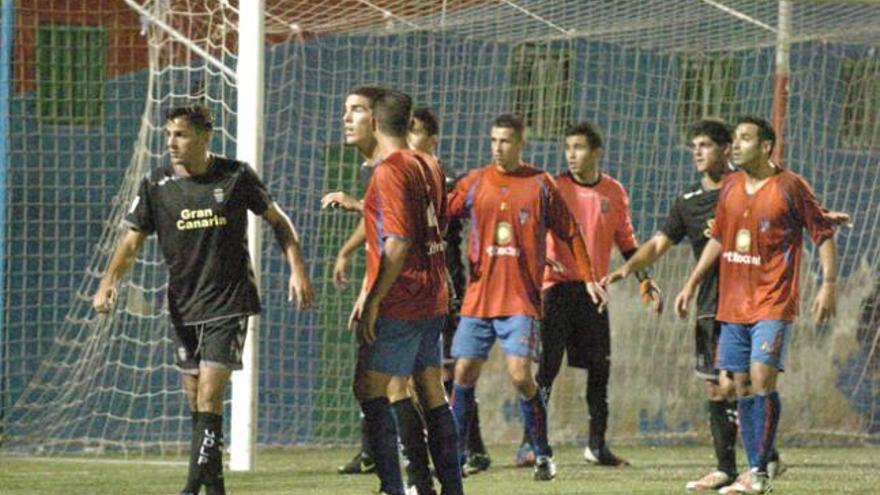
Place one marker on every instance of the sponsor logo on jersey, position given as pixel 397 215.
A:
pixel 218 194
pixel 741 259
pixel 203 218
pixel 502 251
pixel 743 240
pixel 435 247
pixel 503 233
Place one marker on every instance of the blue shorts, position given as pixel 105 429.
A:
pixel 763 342
pixel 404 347
pixel 475 336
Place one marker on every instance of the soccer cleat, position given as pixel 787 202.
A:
pixel 414 490
pixel 477 463
pixel 750 482
pixel 712 481
pixel 525 456
pixel 359 464
pixel 775 467
pixel 604 457
pixel 545 468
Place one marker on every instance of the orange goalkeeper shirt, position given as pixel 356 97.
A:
pixel 602 214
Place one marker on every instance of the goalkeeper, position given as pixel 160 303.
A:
pixel 572 322
pixel 197 206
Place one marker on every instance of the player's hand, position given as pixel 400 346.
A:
pixel 615 276
pixel 650 291
pixel 104 298
pixel 682 300
pixel 825 303
pixel 356 311
pixel 366 325
pixel 838 218
pixel 339 199
pixel 299 290
pixel 597 295
pixel 340 279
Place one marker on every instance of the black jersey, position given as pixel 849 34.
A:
pixel 201 223
pixel 691 216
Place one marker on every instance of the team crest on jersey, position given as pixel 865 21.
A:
pixel 709 224
pixel 523 216
pixel 604 205
pixel 218 195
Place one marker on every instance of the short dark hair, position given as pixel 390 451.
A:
pixel 765 129
pixel 371 92
pixel 196 114
pixel 392 112
pixel 510 121
pixel 589 130
pixel 428 120
pixel 713 128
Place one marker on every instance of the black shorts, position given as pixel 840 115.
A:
pixel 707 334
pixel 572 319
pixel 216 344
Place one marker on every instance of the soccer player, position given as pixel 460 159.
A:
pixel 410 423
pixel 691 216
pixel 511 205
pixel 403 302
pixel 424 133
pixel 197 206
pixel 573 324
pixel 757 240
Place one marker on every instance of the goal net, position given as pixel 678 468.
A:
pixel 86 126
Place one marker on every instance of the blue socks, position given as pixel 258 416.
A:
pixel 535 417
pixel 759 419
pixel 382 436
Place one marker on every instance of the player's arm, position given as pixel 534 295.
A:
pixel 710 256
pixel 825 303
pixel 394 251
pixel 339 199
pixel 357 239
pixel 585 270
pixel 648 289
pixel 644 257
pixel 299 286
pixel 126 251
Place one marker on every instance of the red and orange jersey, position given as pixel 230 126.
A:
pixel 406 198
pixel 602 214
pixel 761 238
pixel 510 214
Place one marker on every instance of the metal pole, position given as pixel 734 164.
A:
pixel 249 148
pixel 780 80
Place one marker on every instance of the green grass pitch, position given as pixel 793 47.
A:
pixel 312 471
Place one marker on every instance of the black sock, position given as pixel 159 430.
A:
pixel 366 450
pixel 443 442
pixel 382 435
pixel 722 423
pixel 475 435
pixel 193 479
pixel 211 453
pixel 412 438
pixel 597 404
